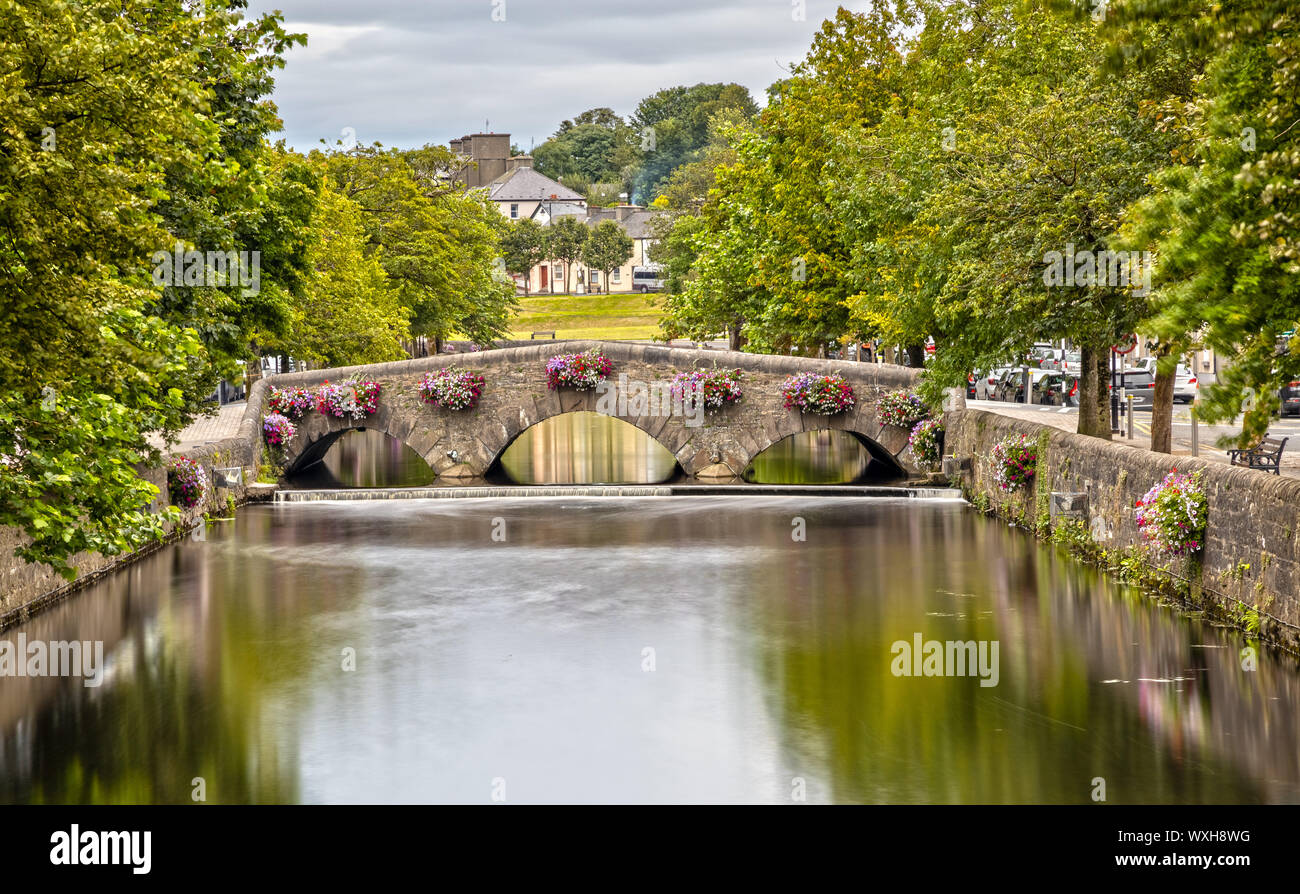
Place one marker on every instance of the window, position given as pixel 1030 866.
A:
pixel 514 212
pixel 617 275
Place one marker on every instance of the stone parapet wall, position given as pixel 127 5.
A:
pixel 1251 557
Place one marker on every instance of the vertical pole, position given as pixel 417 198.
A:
pixel 1129 398
pixel 1114 391
pixel 1196 435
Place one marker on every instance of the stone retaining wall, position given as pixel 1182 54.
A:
pixel 1251 557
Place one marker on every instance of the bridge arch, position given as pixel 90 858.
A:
pixel 657 460
pixel 880 463
pixel 313 442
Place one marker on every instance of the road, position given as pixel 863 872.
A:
pixel 1067 419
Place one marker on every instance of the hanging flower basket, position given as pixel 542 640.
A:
pixel 1172 516
pixel 349 400
pixel 278 430
pixel 719 386
pixel 926 441
pixel 818 394
pixel 1015 462
pixel 581 372
pixel 901 408
pixel 187 482
pixel 292 403
pixel 452 389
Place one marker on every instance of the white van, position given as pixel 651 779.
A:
pixel 646 279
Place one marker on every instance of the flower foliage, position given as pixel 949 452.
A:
pixel 812 393
pixel 1173 514
pixel 452 388
pixel 187 482
pixel 1015 461
pixel 718 386
pixel 291 403
pixel 579 371
pixel 901 408
pixel 355 400
pixel 926 441
pixel 278 430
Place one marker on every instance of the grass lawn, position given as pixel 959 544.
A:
pixel 617 316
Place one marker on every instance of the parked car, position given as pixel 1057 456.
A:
pixel 987 382
pixel 1290 398
pixel 1057 389
pixel 1011 386
pixel 1141 384
pixel 1186 385
pixel 1008 384
pixel 1064 361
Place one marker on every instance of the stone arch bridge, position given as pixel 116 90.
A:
pixel 459 444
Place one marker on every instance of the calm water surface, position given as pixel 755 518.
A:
pixel 678 649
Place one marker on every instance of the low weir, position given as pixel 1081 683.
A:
pixel 619 490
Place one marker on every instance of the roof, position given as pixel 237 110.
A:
pixel 526 185
pixel 554 210
pixel 636 223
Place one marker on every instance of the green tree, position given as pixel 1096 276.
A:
pixel 566 238
pixel 100 102
pixel 672 126
pixel 349 314
pixel 439 246
pixel 608 247
pixel 237 205
pixel 596 153
pixel 1012 143
pixel 1222 217
pixel 523 247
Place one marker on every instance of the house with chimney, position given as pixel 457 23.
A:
pixel 522 193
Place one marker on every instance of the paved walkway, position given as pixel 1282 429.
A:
pixel 1067 419
pixel 209 429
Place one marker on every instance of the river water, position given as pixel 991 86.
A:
pixel 681 649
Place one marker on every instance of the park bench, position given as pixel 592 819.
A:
pixel 1266 455
pixel 549 332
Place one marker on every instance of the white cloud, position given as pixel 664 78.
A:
pixel 410 72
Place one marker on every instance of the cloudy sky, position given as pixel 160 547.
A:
pixel 410 72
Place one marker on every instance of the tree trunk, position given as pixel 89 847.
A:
pixel 1162 411
pixel 916 356
pixel 735 340
pixel 1094 397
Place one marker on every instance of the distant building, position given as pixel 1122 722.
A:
pixel 489 154
pixel 521 193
